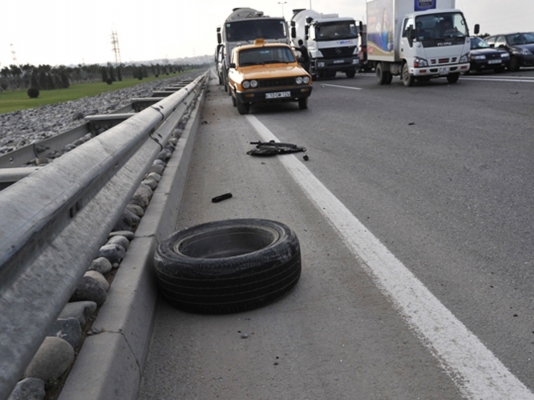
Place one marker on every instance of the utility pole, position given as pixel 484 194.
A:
pixel 282 3
pixel 116 49
pixel 14 55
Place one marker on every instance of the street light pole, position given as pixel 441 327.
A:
pixel 282 3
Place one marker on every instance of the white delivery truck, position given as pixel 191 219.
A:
pixel 243 26
pixel 331 42
pixel 417 39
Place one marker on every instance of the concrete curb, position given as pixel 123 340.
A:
pixel 110 364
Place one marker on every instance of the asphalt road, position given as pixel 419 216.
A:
pixel 436 181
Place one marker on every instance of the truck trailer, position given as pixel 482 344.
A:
pixel 417 40
pixel 243 26
pixel 329 41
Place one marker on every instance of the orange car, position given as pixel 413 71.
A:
pixel 267 72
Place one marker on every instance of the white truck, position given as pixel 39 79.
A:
pixel 331 42
pixel 243 26
pixel 417 39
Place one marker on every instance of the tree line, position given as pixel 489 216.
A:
pixel 46 77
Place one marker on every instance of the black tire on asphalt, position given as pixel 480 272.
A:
pixel 303 103
pixel 453 78
pixel 228 266
pixel 242 108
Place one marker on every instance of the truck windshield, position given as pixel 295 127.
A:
pixel 335 31
pixel 441 29
pixel 254 29
pixel 265 55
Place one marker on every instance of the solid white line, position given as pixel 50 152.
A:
pixel 339 86
pixel 475 370
pixel 527 80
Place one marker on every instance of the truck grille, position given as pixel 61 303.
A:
pixel 336 52
pixel 267 83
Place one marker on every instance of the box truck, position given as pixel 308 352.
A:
pixel 330 41
pixel 417 40
pixel 243 26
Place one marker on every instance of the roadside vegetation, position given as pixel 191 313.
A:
pixel 27 87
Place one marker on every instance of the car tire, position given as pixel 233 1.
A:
pixel 350 74
pixel 453 78
pixel 228 266
pixel 380 77
pixel 303 103
pixel 234 101
pixel 514 64
pixel 242 108
pixel 407 78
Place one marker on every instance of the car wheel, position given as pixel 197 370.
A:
pixel 228 266
pixel 303 103
pixel 407 78
pixel 380 77
pixel 242 108
pixel 514 64
pixel 453 78
pixel 234 101
pixel 350 74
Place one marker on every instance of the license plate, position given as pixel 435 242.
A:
pixel 339 61
pixel 444 71
pixel 277 95
pixel 494 61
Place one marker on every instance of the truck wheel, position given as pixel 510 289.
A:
pixel 303 103
pixel 228 266
pixel 407 78
pixel 242 108
pixel 350 74
pixel 453 78
pixel 381 76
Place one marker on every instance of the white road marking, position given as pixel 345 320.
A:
pixel 523 80
pixel 339 86
pixel 475 370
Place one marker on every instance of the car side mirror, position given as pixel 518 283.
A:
pixel 232 65
pixel 477 29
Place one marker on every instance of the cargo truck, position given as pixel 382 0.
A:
pixel 331 42
pixel 417 40
pixel 242 27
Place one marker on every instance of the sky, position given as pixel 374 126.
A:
pixel 65 32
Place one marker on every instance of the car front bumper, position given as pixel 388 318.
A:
pixel 274 94
pixel 441 70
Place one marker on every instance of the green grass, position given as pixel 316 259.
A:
pixel 19 100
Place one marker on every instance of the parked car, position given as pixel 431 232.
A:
pixel 519 45
pixel 267 72
pixel 484 57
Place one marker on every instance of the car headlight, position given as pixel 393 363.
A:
pixel 306 80
pixel 478 57
pixel 298 80
pixel 254 83
pixel 526 52
pixel 246 84
pixel 464 58
pixel 420 62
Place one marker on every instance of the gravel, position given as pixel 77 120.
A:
pixel 22 128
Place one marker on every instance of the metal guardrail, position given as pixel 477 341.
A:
pixel 55 220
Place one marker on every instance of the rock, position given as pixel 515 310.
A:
pixel 150 182
pixel 100 264
pixel 99 277
pixel 157 168
pixel 127 234
pixel 68 329
pixel 127 222
pixel 29 389
pixel 120 240
pixel 137 210
pixel 113 252
pixel 142 196
pixel 81 310
pixel 52 359
pixel 89 289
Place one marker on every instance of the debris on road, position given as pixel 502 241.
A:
pixel 273 148
pixel 221 197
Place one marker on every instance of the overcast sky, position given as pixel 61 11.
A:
pixel 56 32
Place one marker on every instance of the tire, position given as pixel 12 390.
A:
pixel 234 101
pixel 303 103
pixel 228 266
pixel 350 74
pixel 514 64
pixel 453 78
pixel 242 108
pixel 382 77
pixel 407 78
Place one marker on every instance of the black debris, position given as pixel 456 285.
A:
pixel 221 197
pixel 273 148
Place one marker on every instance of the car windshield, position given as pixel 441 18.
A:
pixel 441 29
pixel 520 38
pixel 265 55
pixel 478 43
